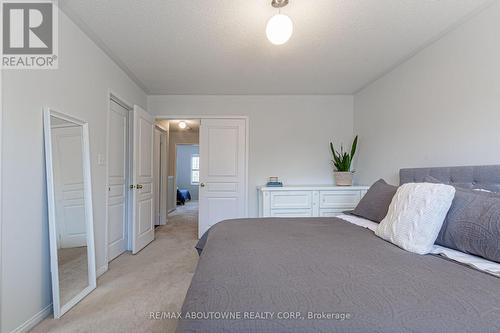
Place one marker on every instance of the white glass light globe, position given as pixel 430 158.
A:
pixel 182 125
pixel 279 29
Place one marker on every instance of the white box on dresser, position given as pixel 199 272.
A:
pixel 308 200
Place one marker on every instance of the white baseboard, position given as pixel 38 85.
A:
pixel 101 270
pixel 37 318
pixel 33 321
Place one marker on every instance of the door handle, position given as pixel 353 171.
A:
pixel 139 186
pixel 202 184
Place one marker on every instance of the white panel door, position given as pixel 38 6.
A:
pixel 69 196
pixel 142 174
pixel 223 185
pixel 117 180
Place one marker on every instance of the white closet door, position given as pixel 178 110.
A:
pixel 117 180
pixel 223 185
pixel 143 191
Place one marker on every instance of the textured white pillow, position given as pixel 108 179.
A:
pixel 415 216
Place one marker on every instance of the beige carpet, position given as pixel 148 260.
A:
pixel 156 279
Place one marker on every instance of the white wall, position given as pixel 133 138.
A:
pixel 289 135
pixel 440 108
pixel 179 137
pixel 80 88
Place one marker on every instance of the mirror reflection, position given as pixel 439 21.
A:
pixel 69 200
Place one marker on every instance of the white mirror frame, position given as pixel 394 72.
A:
pixel 60 309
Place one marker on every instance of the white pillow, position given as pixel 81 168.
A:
pixel 415 216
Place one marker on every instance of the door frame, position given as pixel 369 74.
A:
pixel 163 178
pixel 247 137
pixel 112 96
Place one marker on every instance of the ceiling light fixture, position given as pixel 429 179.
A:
pixel 182 125
pixel 279 28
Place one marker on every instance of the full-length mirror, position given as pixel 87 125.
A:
pixel 70 209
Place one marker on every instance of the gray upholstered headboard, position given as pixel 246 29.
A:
pixel 484 176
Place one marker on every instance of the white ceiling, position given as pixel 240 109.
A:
pixel 220 47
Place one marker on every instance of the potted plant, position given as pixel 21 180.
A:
pixel 342 162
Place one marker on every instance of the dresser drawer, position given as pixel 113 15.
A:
pixel 308 200
pixel 330 212
pixel 341 199
pixel 291 213
pixel 291 199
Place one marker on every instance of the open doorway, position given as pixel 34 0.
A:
pixel 183 171
pixel 187 174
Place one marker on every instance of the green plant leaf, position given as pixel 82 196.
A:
pixel 342 160
pixel 347 162
pixel 336 157
pixel 354 146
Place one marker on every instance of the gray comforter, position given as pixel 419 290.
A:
pixel 327 275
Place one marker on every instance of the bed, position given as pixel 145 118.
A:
pixel 183 195
pixel 330 275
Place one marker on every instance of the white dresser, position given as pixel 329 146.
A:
pixel 308 200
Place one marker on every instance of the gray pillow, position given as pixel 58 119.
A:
pixel 375 204
pixel 473 223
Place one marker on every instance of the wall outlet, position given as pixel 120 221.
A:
pixel 100 159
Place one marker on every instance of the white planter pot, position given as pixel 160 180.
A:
pixel 343 178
